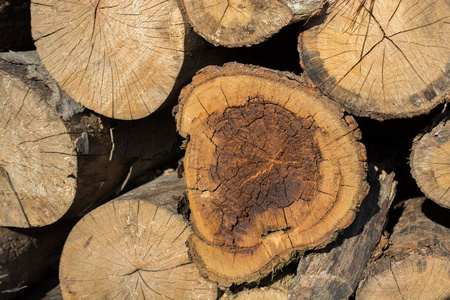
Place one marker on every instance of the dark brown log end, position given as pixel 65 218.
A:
pixel 271 167
pixel 256 173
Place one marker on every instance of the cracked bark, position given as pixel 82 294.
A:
pixel 381 59
pixel 430 160
pixel 271 167
pixel 134 247
pixel 236 23
pixel 56 158
pixel 416 263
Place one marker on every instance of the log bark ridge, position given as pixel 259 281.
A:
pixel 56 158
pixel 236 23
pixel 430 161
pixel 416 264
pixel 119 59
pixel 133 248
pixel 271 167
pixel 381 59
pixel 334 272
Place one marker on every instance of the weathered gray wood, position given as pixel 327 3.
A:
pixel 334 272
pixel 56 158
pixel 416 264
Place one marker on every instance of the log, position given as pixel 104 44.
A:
pixel 430 161
pixel 54 294
pixel 133 248
pixel 264 293
pixel 120 59
pixel 271 167
pixel 334 272
pixel 416 264
pixel 245 23
pixel 15 25
pixel 25 255
pixel 381 59
pixel 57 159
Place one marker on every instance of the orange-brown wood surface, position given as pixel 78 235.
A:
pixel 271 167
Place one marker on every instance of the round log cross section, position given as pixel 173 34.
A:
pixel 271 167
pixel 430 161
pixel 236 23
pixel 119 59
pixel 381 59
pixel 131 249
pixel 37 159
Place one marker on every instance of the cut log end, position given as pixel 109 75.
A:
pixel 381 59
pixel 131 249
pixel 37 159
pixel 271 168
pixel 416 277
pixel 56 159
pixel 118 59
pixel 258 294
pixel 236 23
pixel 430 162
pixel 416 264
pixel 245 23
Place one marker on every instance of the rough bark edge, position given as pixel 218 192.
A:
pixel 58 99
pixel 333 276
pixel 416 172
pixel 350 107
pixel 293 81
pixel 299 12
pixel 434 241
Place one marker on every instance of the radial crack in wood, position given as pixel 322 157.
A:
pixel 335 271
pixel 236 23
pixel 120 59
pixel 57 159
pixel 416 264
pixel 133 248
pixel 381 58
pixel 430 161
pixel 271 167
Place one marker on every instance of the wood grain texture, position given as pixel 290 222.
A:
pixel 265 293
pixel 334 272
pixel 57 159
pixel 380 58
pixel 416 264
pixel 239 23
pixel 430 161
pixel 133 248
pixel 271 167
pixel 119 59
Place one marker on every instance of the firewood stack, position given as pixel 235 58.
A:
pixel 292 177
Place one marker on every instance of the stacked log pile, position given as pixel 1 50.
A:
pixel 302 177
